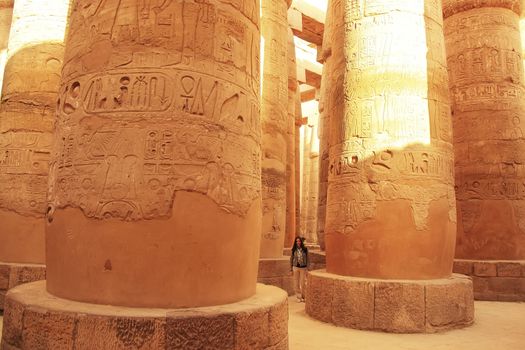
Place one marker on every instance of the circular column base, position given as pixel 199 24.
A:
pixel 35 319
pixel 15 274
pixel 394 306
pixel 276 272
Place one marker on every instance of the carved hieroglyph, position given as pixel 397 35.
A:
pixel 6 15
pixel 310 183
pixel 274 34
pixel 31 80
pixel 486 82
pixel 391 205
pixel 290 231
pixel 157 151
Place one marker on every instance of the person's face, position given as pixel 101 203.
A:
pixel 298 242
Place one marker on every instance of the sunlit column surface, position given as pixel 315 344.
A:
pixel 274 32
pixel 310 173
pixel 391 205
pixel 487 88
pixel 290 143
pixel 30 85
pixel 155 194
pixel 6 15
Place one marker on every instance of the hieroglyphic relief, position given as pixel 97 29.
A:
pixel 392 139
pixel 169 108
pixel 167 33
pixel 31 80
pixel 274 100
pixel 486 75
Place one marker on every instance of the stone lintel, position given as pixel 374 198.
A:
pixel 394 306
pixel 34 319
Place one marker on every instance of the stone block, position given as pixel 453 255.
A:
pixel 282 345
pixel 252 330
pixel 191 331
pixel 319 294
pixel 353 304
pixel 4 276
pixel 485 269
pixel 13 323
pixel 399 307
pixel 505 285
pixel 481 284
pixel 2 299
pixel 43 329
pixel 119 333
pixel 464 267
pixel 449 304
pixel 21 274
pixel 274 267
pixel 278 323
pixel 509 269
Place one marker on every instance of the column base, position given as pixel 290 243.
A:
pixel 35 319
pixel 316 260
pixel 12 275
pixel 276 272
pixel 394 306
pixel 495 280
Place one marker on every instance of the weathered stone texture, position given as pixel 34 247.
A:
pixel 12 275
pixel 274 124
pixel 487 89
pixel 391 306
pixel 35 320
pixel 158 149
pixel 391 172
pixel 30 83
pixel 495 280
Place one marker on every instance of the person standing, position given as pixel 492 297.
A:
pixel 299 266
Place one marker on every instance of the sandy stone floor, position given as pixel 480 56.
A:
pixel 498 326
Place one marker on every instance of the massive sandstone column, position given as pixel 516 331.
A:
pixel 487 86
pixel 31 79
pixel 391 206
pixel 310 174
pixel 290 231
pixel 6 15
pixel 274 34
pixel 274 268
pixel 155 192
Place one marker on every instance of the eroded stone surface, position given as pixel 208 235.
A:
pixel 394 306
pixel 487 88
pixel 274 123
pixel 391 171
pixel 158 149
pixel 34 319
pixel 12 275
pixel 30 85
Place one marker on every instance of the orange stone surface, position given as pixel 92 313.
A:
pixel 30 85
pixel 274 101
pixel 155 187
pixel 391 205
pixel 487 88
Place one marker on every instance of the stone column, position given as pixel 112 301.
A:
pixel 274 268
pixel 391 212
pixel 290 232
pixel 6 16
pixel 274 33
pixel 31 79
pixel 487 87
pixel 155 197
